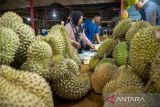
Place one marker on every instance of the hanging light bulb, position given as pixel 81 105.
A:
pixel 54 15
pixel 29 19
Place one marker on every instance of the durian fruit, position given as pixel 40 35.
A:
pixel 67 51
pixel 122 27
pixel 94 62
pixel 40 37
pixel 134 29
pixel 70 51
pixel 143 49
pixel 72 88
pixel 155 74
pixel 23 89
pixel 126 78
pixel 59 68
pixel 56 33
pixel 105 60
pixel 128 89
pixel 9 18
pixel 75 56
pixel 39 50
pixel 72 65
pixel 60 42
pixel 55 28
pixel 38 57
pixel 55 43
pixel 26 36
pixel 9 43
pixel 37 67
pixel 104 37
pixel 110 87
pixel 106 48
pixel 102 75
pixel 120 53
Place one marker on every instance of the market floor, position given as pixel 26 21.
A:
pixel 90 100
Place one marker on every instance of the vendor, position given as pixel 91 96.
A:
pixel 75 31
pixel 149 10
pixel 92 27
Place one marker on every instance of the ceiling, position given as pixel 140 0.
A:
pixel 13 4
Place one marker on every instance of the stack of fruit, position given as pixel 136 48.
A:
pixel 134 61
pixel 31 66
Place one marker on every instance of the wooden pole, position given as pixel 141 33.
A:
pixel 32 13
pixel 121 11
pixel 46 17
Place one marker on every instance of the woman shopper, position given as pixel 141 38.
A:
pixel 75 32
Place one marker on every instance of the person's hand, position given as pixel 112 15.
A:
pixel 92 46
pixel 78 45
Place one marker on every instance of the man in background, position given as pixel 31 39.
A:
pixel 133 14
pixel 149 10
pixel 91 28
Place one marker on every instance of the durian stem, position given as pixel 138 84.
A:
pixel 126 64
pixel 114 37
pixel 119 41
pixel 112 61
pixel 148 85
pixel 104 55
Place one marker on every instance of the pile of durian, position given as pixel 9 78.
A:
pixel 128 62
pixel 33 68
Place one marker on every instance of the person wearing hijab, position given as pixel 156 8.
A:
pixel 75 32
pixel 149 10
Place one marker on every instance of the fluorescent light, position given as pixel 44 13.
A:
pixel 54 15
pixel 29 19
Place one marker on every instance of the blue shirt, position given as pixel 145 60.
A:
pixel 156 1
pixel 148 10
pixel 134 14
pixel 90 29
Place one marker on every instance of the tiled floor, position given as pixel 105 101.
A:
pixel 90 100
